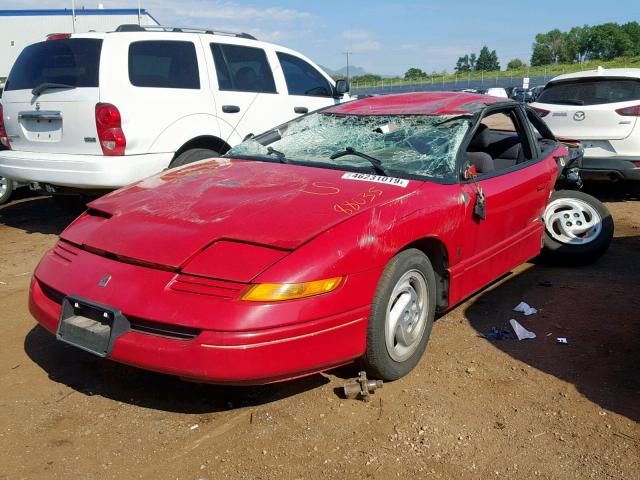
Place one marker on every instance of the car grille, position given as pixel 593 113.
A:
pixel 65 251
pixel 206 286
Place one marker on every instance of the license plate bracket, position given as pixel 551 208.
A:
pixel 90 326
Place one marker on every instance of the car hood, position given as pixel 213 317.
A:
pixel 168 218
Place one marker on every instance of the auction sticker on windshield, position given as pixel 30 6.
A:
pixel 364 177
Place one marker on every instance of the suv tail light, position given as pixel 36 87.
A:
pixel 4 138
pixel 58 36
pixel 629 111
pixel 541 111
pixel 109 127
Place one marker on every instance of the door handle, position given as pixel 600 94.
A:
pixel 300 109
pixel 230 108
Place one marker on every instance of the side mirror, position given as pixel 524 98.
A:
pixel 470 172
pixel 342 87
pixel 480 204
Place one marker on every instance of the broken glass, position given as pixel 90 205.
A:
pixel 422 145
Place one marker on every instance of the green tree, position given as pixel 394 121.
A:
pixel 495 65
pixel 515 64
pixel 632 29
pixel 577 44
pixel 368 78
pixel 463 64
pixel 414 74
pixel 541 55
pixel 473 60
pixel 487 60
pixel 608 41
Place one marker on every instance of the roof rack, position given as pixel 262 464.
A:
pixel 161 28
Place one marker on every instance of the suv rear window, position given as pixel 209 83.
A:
pixel 73 61
pixel 591 91
pixel 163 64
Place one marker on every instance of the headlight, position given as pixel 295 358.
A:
pixel 274 292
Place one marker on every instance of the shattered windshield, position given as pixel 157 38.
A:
pixel 413 145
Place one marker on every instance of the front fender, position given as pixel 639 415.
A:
pixel 368 240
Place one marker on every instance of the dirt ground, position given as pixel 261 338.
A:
pixel 473 408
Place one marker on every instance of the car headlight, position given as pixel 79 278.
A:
pixel 274 292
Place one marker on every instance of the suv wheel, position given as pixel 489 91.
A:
pixel 193 155
pixel 6 189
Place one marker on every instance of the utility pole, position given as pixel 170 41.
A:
pixel 73 15
pixel 347 53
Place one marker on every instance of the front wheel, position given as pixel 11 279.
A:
pixel 402 315
pixel 578 228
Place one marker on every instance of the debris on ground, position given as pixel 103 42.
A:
pixel 521 332
pixel 562 340
pixel 361 387
pixel 525 308
pixel 497 334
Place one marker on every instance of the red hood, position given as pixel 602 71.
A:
pixel 168 218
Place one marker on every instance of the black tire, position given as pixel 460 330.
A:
pixel 193 155
pixel 73 204
pixel 565 253
pixel 6 190
pixel 378 360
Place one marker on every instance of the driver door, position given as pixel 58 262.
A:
pixel 516 192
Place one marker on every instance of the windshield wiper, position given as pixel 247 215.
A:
pixel 280 155
pixel 377 164
pixel 47 85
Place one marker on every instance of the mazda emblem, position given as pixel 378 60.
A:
pixel 579 116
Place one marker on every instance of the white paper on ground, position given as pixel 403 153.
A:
pixel 521 332
pixel 562 340
pixel 525 308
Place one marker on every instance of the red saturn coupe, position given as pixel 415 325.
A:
pixel 331 239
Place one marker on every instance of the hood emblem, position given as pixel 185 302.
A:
pixel 104 281
pixel 579 116
pixel 37 107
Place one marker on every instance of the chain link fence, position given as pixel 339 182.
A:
pixel 432 84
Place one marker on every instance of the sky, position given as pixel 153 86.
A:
pixel 384 37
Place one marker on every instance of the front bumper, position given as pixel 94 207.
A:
pixel 230 341
pixel 610 168
pixel 248 357
pixel 80 171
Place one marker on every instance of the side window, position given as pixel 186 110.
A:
pixel 500 142
pixel 242 69
pixel 302 78
pixel 163 64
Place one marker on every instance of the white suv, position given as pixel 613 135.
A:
pixel 98 111
pixel 600 108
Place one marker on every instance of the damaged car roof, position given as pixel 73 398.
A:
pixel 421 103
